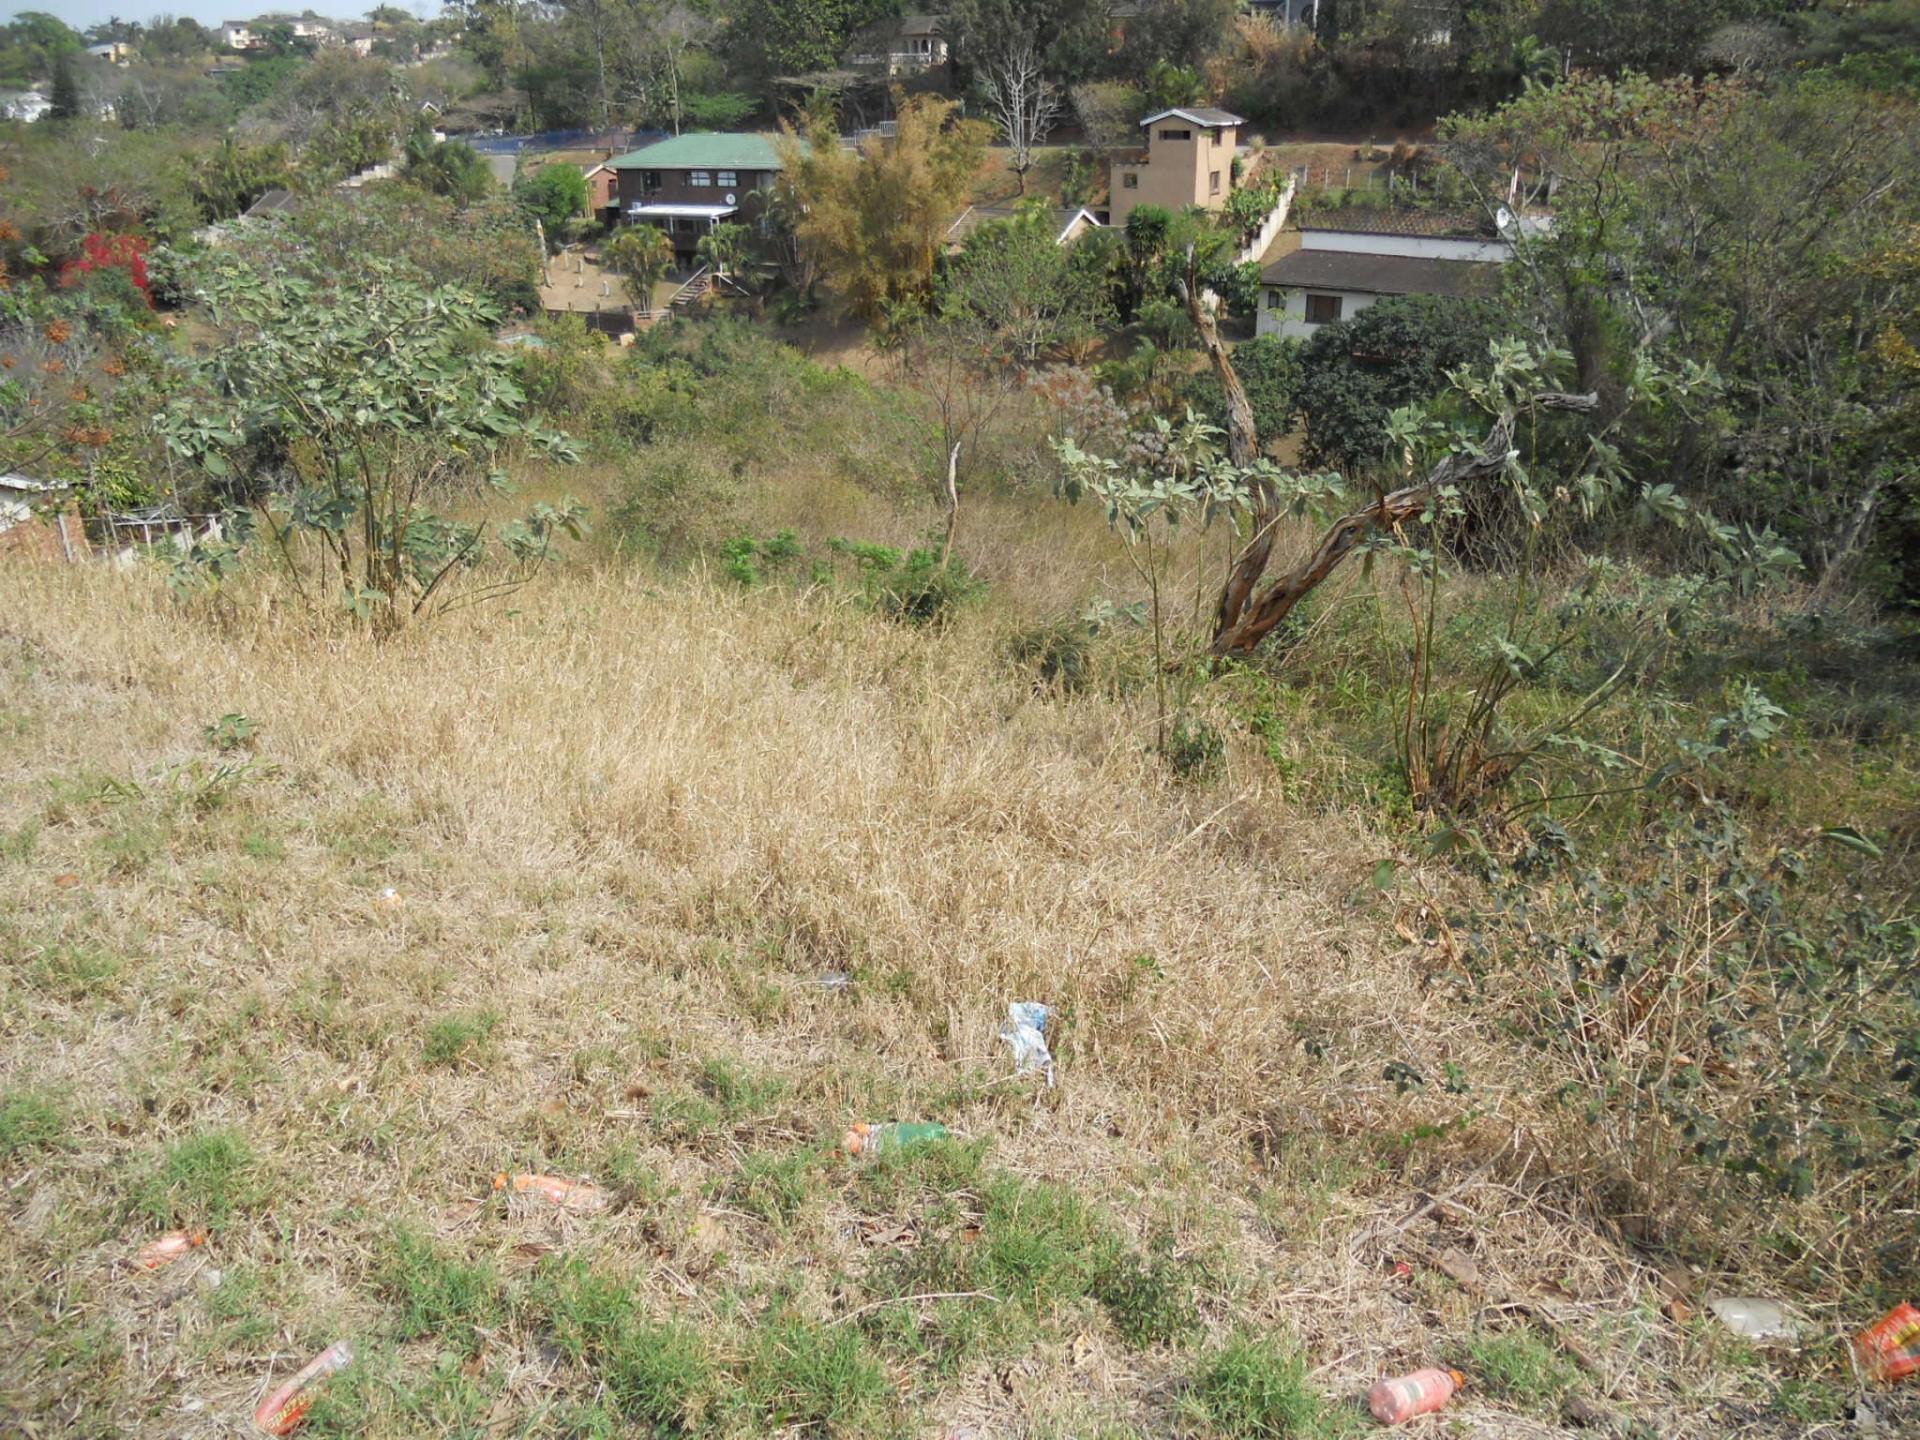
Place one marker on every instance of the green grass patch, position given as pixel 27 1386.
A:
pixel 656 1374
pixel 29 1121
pixel 75 972
pixel 777 1185
pixel 1522 1367
pixel 1150 1299
pixel 199 1181
pixel 462 1036
pixel 740 1092
pixel 1256 1386
pixel 816 1379
pixel 435 1294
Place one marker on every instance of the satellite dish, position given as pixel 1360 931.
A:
pixel 731 200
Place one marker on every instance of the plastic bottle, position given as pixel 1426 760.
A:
pixel 865 1139
pixel 168 1248
pixel 1394 1402
pixel 282 1411
pixel 566 1194
pixel 1889 1349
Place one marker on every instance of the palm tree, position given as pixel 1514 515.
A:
pixel 724 247
pixel 640 255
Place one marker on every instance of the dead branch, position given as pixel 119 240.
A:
pixel 1259 618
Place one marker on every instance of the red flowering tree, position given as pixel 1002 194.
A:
pixel 100 253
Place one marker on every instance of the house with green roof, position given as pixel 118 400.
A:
pixel 691 183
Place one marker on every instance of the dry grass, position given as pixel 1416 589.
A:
pixel 630 826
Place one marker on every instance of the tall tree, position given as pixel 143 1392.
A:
pixel 874 218
pixel 65 100
pixel 1025 104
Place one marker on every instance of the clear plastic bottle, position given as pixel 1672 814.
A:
pixel 282 1412
pixel 865 1139
pixel 168 1248
pixel 1398 1400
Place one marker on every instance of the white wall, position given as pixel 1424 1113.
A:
pixel 1290 323
pixel 1423 247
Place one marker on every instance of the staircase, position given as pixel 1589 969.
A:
pixel 698 284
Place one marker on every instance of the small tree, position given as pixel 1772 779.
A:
pixel 555 193
pixel 641 256
pixel 334 415
pixel 727 248
pixel 1024 290
pixel 447 167
pixel 1025 104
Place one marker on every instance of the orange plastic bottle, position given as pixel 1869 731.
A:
pixel 282 1411
pixel 1394 1402
pixel 1889 1349
pixel 566 1194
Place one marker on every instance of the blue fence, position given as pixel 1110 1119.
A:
pixel 615 140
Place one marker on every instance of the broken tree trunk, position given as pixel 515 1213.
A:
pixel 1258 619
pixel 1243 448
pixel 953 504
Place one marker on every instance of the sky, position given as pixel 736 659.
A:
pixel 83 14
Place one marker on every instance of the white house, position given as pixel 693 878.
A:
pixel 237 35
pixel 906 46
pixel 26 105
pixel 1350 258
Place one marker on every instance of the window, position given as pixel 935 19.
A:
pixel 649 180
pixel 700 179
pixel 729 179
pixel 1176 134
pixel 1323 309
pixel 1129 180
pixel 1276 299
pixel 1216 134
pixel 1213 183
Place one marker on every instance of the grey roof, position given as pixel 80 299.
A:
pixel 1371 220
pixel 274 202
pixel 1381 274
pixel 1205 115
pixel 920 25
pixel 974 216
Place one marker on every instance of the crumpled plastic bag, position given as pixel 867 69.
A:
pixel 1025 1031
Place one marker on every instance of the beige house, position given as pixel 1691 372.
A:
pixel 1188 160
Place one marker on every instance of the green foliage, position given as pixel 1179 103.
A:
pixel 1351 375
pixel 435 1295
pixel 235 175
pixel 554 193
pixel 640 255
pixel 450 168
pixel 459 1037
pixel 1257 1386
pixel 1270 371
pixel 231 732
pixel 917 587
pixel 373 400
pixel 200 1181
pixel 1194 749
pixel 718 109
pixel 1022 292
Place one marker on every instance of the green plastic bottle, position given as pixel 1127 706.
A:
pixel 864 1139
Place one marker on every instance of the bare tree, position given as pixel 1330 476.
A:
pixel 1025 105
